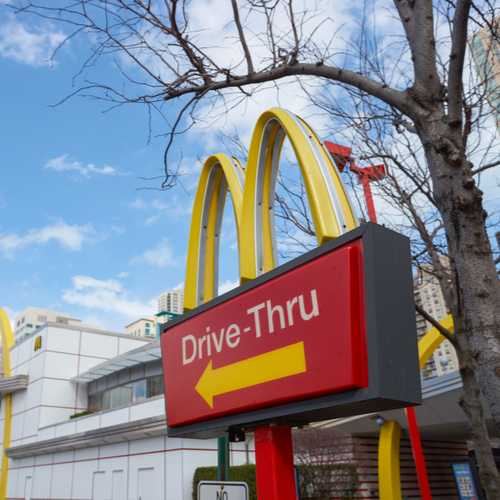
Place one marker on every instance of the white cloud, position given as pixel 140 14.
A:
pixel 123 274
pixel 109 296
pixel 162 256
pixel 119 230
pixel 69 237
pixel 29 45
pixel 228 285
pixel 64 164
pixel 151 220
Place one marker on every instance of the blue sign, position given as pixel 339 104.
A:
pixel 464 480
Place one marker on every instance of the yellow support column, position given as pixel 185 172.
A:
pixel 7 343
pixel 389 479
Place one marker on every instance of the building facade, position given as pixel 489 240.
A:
pixel 171 301
pixel 118 451
pixel 485 50
pixel 32 318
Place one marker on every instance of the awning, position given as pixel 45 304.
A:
pixel 141 355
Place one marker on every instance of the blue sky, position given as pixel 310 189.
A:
pixel 78 233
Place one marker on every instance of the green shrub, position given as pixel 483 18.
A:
pixel 82 413
pixel 243 473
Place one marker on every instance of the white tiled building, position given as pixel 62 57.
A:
pixel 120 451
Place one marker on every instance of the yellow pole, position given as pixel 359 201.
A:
pixel 389 479
pixel 7 343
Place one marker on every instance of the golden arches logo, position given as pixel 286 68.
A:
pixel 252 191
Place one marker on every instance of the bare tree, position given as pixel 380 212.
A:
pixel 328 464
pixel 415 82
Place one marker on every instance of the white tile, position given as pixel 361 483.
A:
pixel 34 394
pixel 86 363
pixel 24 355
pixel 155 461
pixel 66 429
pixel 115 463
pixel 35 370
pixel 22 477
pixel 113 450
pixel 126 344
pixel 93 344
pixel 114 417
pixel 58 393
pixel 42 478
pixel 62 340
pixel 82 479
pixel 173 466
pixel 16 431
pixel 60 365
pixel 18 402
pixel 148 409
pixel 174 443
pixel 26 462
pixel 12 482
pixel 49 416
pixel 64 457
pixel 85 424
pixel 62 478
pixel 14 352
pixel 31 418
pixel 44 459
pixel 149 445
pixel 87 453
pixel 47 433
pixel 29 440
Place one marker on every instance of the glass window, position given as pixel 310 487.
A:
pixel 147 325
pixel 126 394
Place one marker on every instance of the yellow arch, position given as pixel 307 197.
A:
pixel 7 343
pixel 331 209
pixel 219 173
pixel 253 201
pixel 390 433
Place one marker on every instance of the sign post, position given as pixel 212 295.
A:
pixel 274 463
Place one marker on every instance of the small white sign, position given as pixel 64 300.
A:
pixel 222 490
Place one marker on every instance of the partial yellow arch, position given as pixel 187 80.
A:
pixel 331 209
pixel 389 477
pixel 390 433
pixel 7 343
pixel 219 173
pixel 432 340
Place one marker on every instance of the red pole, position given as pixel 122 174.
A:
pixel 274 463
pixel 418 454
pixel 369 198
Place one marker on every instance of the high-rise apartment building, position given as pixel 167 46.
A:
pixel 429 297
pixel 171 301
pixel 485 47
pixel 32 318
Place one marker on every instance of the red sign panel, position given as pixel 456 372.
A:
pixel 298 336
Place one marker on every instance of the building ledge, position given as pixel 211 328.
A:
pixel 129 431
pixel 8 385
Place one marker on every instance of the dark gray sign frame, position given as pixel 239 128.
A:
pixel 393 366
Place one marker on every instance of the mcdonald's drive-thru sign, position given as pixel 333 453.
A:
pixel 329 334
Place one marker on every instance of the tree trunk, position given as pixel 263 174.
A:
pixel 471 405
